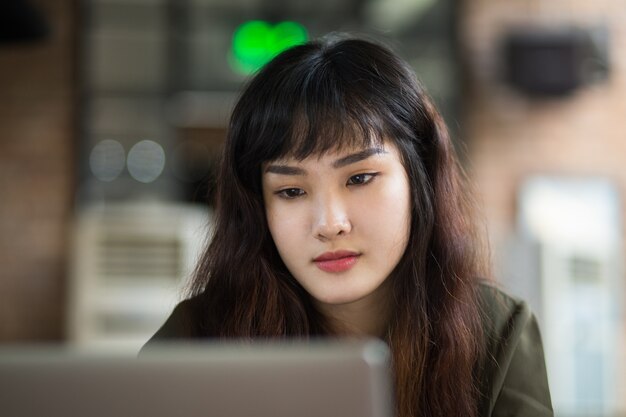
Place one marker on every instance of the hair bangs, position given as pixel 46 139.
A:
pixel 329 117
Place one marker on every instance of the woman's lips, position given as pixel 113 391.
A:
pixel 336 261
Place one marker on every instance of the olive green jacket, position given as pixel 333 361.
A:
pixel 513 379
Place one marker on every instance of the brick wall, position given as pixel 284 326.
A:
pixel 36 177
pixel 510 136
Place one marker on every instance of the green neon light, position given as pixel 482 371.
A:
pixel 256 42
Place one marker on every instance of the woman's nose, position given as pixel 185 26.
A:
pixel 331 219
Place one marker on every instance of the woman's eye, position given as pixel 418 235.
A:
pixel 290 193
pixel 361 179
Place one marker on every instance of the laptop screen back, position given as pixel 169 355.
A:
pixel 330 379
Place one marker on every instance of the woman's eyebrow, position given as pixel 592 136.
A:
pixel 341 162
pixel 356 157
pixel 284 170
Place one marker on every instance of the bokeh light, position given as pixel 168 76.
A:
pixel 107 160
pixel 256 42
pixel 146 160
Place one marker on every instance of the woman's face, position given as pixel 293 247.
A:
pixel 340 220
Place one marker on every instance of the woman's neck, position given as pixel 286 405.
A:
pixel 367 317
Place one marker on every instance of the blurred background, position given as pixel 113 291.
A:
pixel 112 114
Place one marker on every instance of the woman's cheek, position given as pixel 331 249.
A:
pixel 285 224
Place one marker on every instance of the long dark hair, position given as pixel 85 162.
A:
pixel 322 96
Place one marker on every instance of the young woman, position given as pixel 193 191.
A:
pixel 341 210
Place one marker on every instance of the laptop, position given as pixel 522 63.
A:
pixel 269 379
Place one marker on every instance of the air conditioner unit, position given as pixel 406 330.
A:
pixel 129 264
pixel 576 225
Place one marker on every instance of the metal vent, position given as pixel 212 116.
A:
pixel 139 257
pixel 583 269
